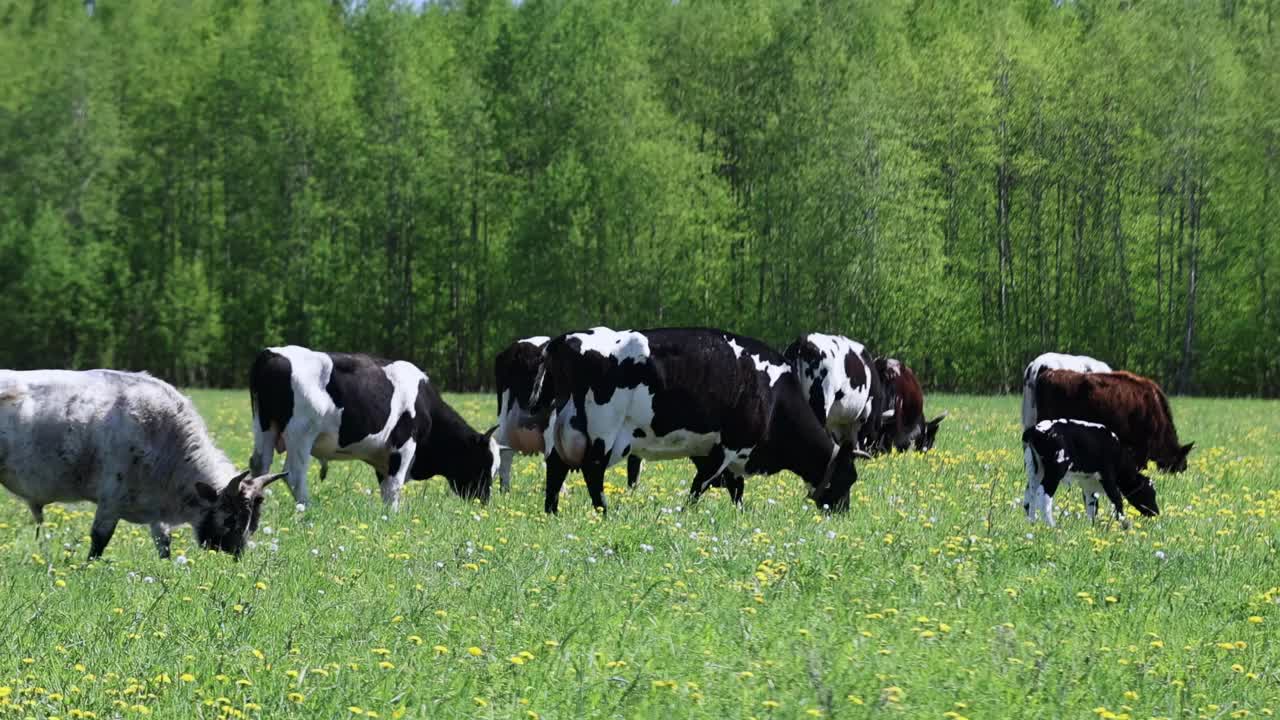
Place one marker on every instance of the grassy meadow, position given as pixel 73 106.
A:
pixel 932 598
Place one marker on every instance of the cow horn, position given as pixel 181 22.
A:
pixel 888 413
pixel 861 454
pixel 267 480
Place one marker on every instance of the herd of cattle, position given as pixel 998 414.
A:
pixel 583 401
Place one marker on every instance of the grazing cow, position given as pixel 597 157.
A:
pixel 338 406
pixel 130 443
pixel 729 403
pixel 519 430
pixel 906 428
pixel 1067 450
pixel 1052 361
pixel 838 378
pixel 1131 406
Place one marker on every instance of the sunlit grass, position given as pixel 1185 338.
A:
pixel 932 597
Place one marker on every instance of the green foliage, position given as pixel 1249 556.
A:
pixel 964 185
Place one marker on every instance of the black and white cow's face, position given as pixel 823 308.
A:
pixel 482 457
pixel 924 441
pixel 833 493
pixel 231 516
pixel 1143 495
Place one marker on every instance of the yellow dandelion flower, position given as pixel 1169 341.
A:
pixel 479 701
pixel 441 650
pixel 386 665
pixel 296 697
pixel 415 639
pixel 771 704
pixel 1255 619
pixel 475 651
pixel 187 677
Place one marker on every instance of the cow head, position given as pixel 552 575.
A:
pixel 833 493
pixel 1178 462
pixel 1142 495
pixel 924 441
pixel 482 456
pixel 228 517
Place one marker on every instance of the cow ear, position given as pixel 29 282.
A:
pixel 1186 449
pixel 206 492
pixel 489 433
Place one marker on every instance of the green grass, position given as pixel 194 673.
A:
pixel 932 596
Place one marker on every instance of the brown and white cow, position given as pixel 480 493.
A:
pixel 1052 361
pixel 1131 406
pixel 905 428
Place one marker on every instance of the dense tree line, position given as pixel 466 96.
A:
pixel 962 184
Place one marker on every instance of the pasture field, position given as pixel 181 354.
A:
pixel 932 598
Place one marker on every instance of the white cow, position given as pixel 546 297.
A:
pixel 130 443
pixel 1052 361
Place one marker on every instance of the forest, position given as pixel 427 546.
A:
pixel 959 184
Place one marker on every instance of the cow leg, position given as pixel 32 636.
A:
pixel 556 472
pixel 401 461
pixel 1112 489
pixel 708 469
pixel 104 526
pixel 297 464
pixel 504 468
pixel 324 469
pixel 633 470
pixel 160 534
pixel 734 484
pixel 264 442
pixel 594 475
pixel 37 514
pixel 1090 504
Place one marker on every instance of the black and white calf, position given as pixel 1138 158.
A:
pixel 519 429
pixel 338 406
pixel 730 403
pixel 1066 451
pixel 845 392
pixel 130 443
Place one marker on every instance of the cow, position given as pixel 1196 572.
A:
pixel 341 406
pixel 519 430
pixel 845 393
pixel 1131 406
pixel 131 444
pixel 1087 453
pixel 730 403
pixel 906 427
pixel 1052 361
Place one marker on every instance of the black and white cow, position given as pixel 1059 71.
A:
pixel 519 430
pixel 1066 451
pixel 845 392
pixel 730 403
pixel 338 406
pixel 130 443
pixel 1052 361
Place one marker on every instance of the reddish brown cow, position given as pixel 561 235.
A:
pixel 1131 406
pixel 906 428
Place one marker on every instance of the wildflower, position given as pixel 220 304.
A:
pixel 386 665
pixel 415 639
pixel 441 650
pixel 1255 619
pixel 187 677
pixel 475 651
pixel 479 701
